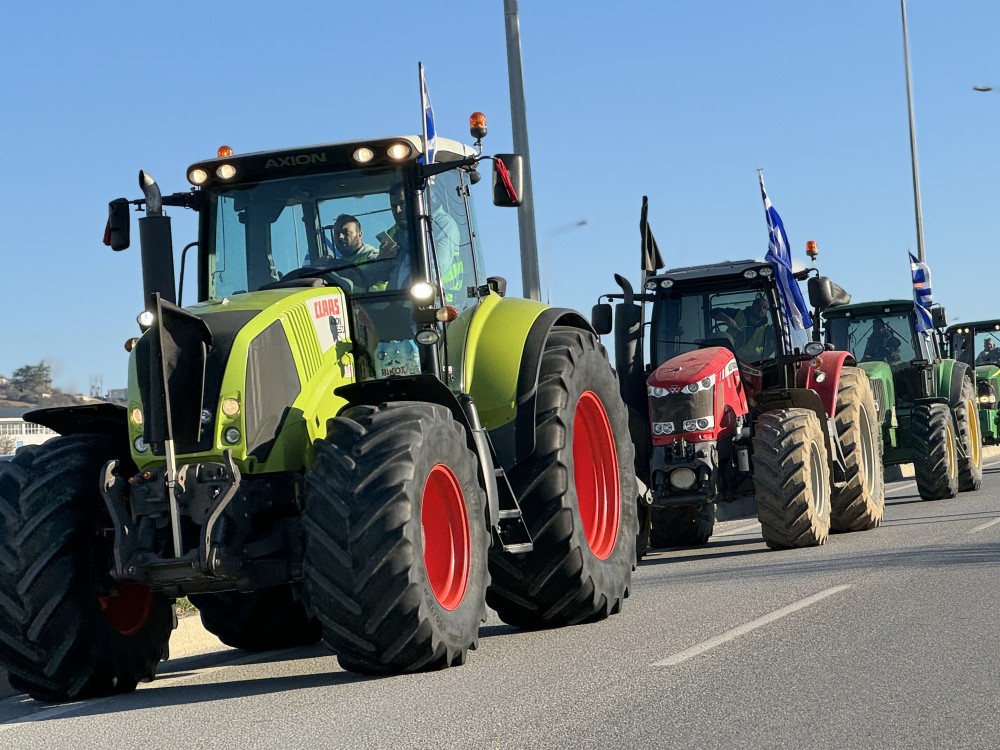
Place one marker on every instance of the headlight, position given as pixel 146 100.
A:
pixel 232 435
pixel 750 274
pixel 986 399
pixel 663 428
pixel 766 271
pixel 656 391
pixel 699 424
pixel 140 444
pixel 702 385
pixel 813 348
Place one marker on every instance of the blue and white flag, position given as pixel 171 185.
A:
pixel 430 131
pixel 794 306
pixel 922 299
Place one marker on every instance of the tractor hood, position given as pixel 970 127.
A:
pixel 252 374
pixel 695 396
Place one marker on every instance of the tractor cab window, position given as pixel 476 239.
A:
pixel 303 226
pixel 740 319
pixel 984 345
pixel 885 337
pixel 450 237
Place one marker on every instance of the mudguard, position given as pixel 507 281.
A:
pixel 830 364
pixel 951 374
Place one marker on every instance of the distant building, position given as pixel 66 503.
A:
pixel 23 433
pixel 117 395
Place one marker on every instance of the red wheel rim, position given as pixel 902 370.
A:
pixel 445 533
pixel 595 469
pixel 128 609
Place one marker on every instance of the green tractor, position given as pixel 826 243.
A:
pixel 334 441
pixel 978 346
pixel 926 403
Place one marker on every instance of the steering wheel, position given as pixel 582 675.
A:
pixel 346 278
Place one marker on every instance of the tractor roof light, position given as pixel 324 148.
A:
pixel 766 272
pixel 197 176
pixel 667 283
pixel 145 319
pixel 750 273
pixel 477 125
pixel 363 155
pixel 225 171
pixel 812 249
pixel 398 151
pixel 224 152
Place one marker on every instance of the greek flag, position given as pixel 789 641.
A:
pixel 430 132
pixel 793 305
pixel 922 299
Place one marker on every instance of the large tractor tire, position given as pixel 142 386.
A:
pixel 686 526
pixel 67 631
pixel 577 493
pixel 791 477
pixel 970 467
pixel 935 453
pixel 396 538
pixel 262 620
pixel 644 515
pixel 860 503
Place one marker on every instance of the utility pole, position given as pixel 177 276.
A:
pixel 519 124
pixel 913 141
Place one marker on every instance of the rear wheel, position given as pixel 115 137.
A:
pixel 67 631
pixel 685 526
pixel 396 539
pixel 270 618
pixel 577 493
pixel 935 453
pixel 970 466
pixel 860 503
pixel 791 478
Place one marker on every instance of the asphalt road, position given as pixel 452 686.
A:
pixel 882 639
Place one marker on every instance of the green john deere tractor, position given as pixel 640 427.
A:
pixel 926 402
pixel 978 346
pixel 365 445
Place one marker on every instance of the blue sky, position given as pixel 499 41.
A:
pixel 680 100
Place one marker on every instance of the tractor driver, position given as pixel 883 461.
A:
pixel 990 354
pixel 752 337
pixel 882 344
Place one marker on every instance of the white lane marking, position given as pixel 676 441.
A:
pixel 741 530
pixel 711 643
pixel 51 713
pixel 986 525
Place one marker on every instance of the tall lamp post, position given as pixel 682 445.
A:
pixel 519 126
pixel 913 141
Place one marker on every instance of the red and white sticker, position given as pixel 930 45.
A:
pixel 329 317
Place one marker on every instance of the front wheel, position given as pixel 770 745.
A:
pixel 935 453
pixel 791 477
pixel 67 631
pixel 577 493
pixel 860 503
pixel 261 620
pixel 396 539
pixel 970 466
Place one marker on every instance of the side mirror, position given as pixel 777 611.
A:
pixel 939 318
pixel 508 180
pixel 116 233
pixel 600 318
pixel 823 293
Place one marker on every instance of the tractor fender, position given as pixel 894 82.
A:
pixel 952 374
pixel 830 364
pixel 502 362
pixel 99 419
pixel 429 389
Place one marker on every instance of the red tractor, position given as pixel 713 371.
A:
pixel 736 403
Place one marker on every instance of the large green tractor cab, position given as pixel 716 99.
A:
pixel 347 433
pixel 927 404
pixel 978 346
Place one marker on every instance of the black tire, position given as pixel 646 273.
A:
pixel 791 477
pixel 860 503
pixel 584 538
pixel 372 577
pixel 262 620
pixel 685 526
pixel 66 631
pixel 970 467
pixel 644 516
pixel 935 457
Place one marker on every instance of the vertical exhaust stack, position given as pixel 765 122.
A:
pixel 156 244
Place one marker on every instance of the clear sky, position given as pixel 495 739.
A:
pixel 680 100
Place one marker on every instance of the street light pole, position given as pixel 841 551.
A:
pixel 519 126
pixel 913 141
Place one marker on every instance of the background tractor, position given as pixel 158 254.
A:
pixel 329 442
pixel 927 407
pixel 719 413
pixel 978 346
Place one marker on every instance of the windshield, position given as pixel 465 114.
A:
pixel 741 319
pixel 870 338
pixel 345 222
pixel 985 346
